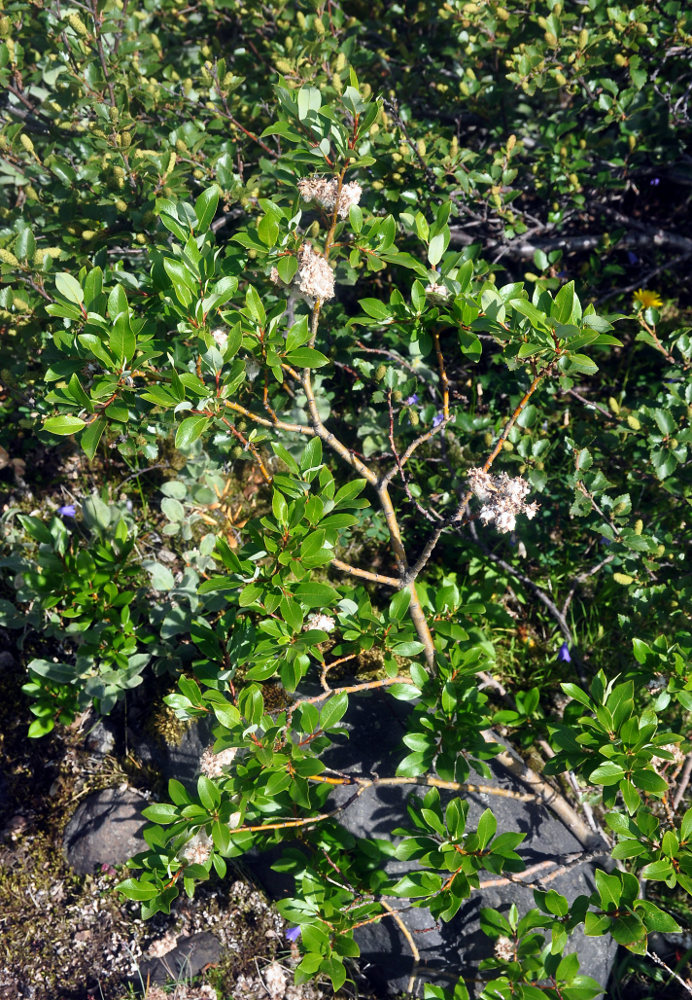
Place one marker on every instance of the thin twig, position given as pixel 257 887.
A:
pixel 683 782
pixel 580 579
pixel 659 961
pixel 97 18
pixel 426 781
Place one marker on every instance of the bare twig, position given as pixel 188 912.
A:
pixel 683 782
pixel 98 19
pixel 659 961
pixel 580 578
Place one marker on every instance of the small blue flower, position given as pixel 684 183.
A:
pixel 437 419
pixel 412 399
pixel 655 181
pixel 68 510
pixel 632 257
pixel 563 653
pixel 292 933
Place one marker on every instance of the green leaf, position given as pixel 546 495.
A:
pixel 608 773
pixel 268 230
pixel 122 340
pixel 287 267
pixel 309 99
pixel 307 357
pixel 659 870
pixel 190 429
pixel 316 595
pixel 438 245
pixel 133 889
pixel 64 424
pixel 333 710
pixel 92 435
pixel 649 781
pixel 161 813
pixel 487 825
pixel 655 919
pixel 205 208
pixel 161 577
pixel 69 288
pixel 208 793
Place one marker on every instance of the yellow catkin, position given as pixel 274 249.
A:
pixel 171 164
pixel 638 526
pixel 8 258
pixel 28 145
pixel 623 579
pixel 613 404
pixel 421 147
pixel 633 422
pixel 511 143
pixel 583 38
pixel 43 252
pixel 77 25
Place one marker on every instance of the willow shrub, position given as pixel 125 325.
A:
pixel 287 282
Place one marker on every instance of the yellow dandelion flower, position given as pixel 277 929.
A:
pixel 647 299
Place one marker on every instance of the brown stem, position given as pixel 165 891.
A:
pixel 387 581
pixel 543 791
pixel 99 44
pixel 264 422
pixel 428 782
pixel 683 782
pixel 351 689
pixel 266 475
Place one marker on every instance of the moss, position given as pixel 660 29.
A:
pixel 165 726
pixel 50 933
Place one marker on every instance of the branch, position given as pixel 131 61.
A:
pixel 387 581
pixel 97 19
pixel 545 792
pixel 264 422
pixel 683 782
pixel 659 961
pixel 428 782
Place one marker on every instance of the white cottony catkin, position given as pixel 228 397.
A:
pixel 197 849
pixel 503 498
pixel 212 765
pixel 320 621
pixel 315 277
pixel 324 192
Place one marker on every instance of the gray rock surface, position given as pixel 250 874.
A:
pixel 190 956
pixel 105 829
pixel 175 760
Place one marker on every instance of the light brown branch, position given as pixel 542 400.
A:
pixel 264 422
pixel 387 581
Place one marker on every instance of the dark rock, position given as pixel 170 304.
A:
pixel 105 829
pixel 7 661
pixel 176 759
pixel 190 956
pixel 100 740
